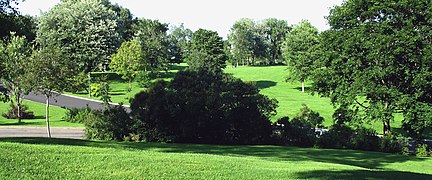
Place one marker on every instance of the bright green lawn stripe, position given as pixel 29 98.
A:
pixel 56 114
pixel 37 158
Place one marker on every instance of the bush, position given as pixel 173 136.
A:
pixel 338 136
pixel 12 112
pixel 295 132
pixel 422 151
pixel 200 107
pixel 391 144
pixel 144 79
pixel 111 124
pixel 76 115
pixel 365 139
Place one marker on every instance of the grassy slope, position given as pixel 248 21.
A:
pixel 39 158
pixel 56 114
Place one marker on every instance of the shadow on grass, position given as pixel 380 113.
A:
pixel 265 84
pixel 364 159
pixel 361 174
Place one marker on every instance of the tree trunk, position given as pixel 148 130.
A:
pixel 47 116
pixel 18 109
pixel 130 85
pixel 386 127
pixel 303 86
pixel 386 122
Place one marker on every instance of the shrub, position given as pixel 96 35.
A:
pixel 391 144
pixel 422 151
pixel 95 89
pixel 113 123
pixel 12 112
pixel 144 79
pixel 76 115
pixel 200 107
pixel 295 132
pixel 365 139
pixel 338 136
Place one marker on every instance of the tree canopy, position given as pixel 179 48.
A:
pixel 378 59
pixel 207 52
pixel 300 51
pixel 86 29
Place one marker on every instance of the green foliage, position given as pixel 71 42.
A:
pixel 300 51
pixel 242 41
pixel 14 57
pixel 79 83
pixel 338 136
pixel 294 132
pixel 85 30
pixel 206 52
pixel 153 38
pixel 75 115
pixel 365 139
pixel 179 38
pixel 144 78
pixel 391 144
pixel 101 89
pixel 422 150
pixel 200 107
pixel 377 58
pixel 12 112
pixel 128 61
pixel 309 116
pixel 113 123
pixel 275 31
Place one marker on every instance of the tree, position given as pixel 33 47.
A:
pixel 179 38
pixel 13 59
pixel 241 41
pixel 300 49
pixel 202 107
pixel 128 61
pixel 85 29
pixel 378 59
pixel 275 31
pixel 50 73
pixel 154 42
pixel 207 52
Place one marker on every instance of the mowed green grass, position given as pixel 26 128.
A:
pixel 56 114
pixel 271 81
pixel 40 158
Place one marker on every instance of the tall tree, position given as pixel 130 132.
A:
pixel 50 72
pixel 13 59
pixel 128 61
pixel 12 21
pixel 300 49
pixel 154 42
pixel 179 38
pixel 275 31
pixel 241 40
pixel 85 29
pixel 207 52
pixel 379 59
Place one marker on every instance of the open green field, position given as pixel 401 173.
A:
pixel 56 114
pixel 40 158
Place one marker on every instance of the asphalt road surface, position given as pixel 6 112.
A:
pixel 69 101
pixel 56 132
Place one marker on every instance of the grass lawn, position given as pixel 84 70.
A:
pixel 56 114
pixel 40 158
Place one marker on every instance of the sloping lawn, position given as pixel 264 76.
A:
pixel 56 114
pixel 39 158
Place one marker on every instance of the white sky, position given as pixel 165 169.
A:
pixel 217 15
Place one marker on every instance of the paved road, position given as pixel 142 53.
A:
pixel 68 101
pixel 56 132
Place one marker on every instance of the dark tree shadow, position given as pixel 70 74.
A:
pixel 265 84
pixel 361 174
